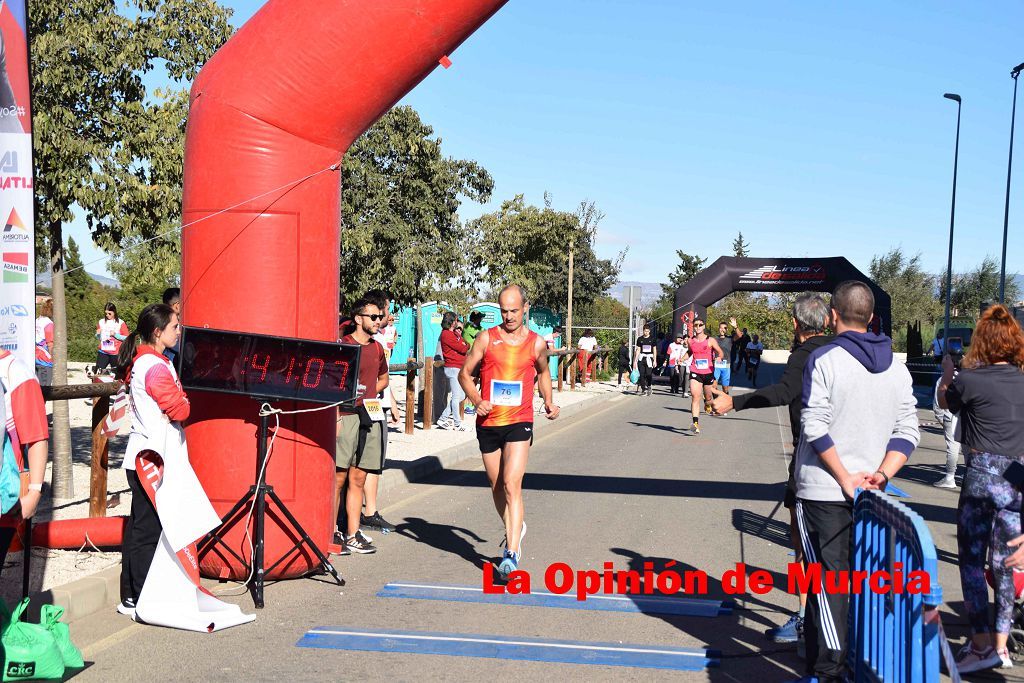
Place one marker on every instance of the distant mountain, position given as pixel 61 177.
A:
pixel 650 292
pixel 45 280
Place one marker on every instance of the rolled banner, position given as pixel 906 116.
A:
pixel 173 594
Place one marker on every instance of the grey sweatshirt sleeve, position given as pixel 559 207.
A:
pixel 816 416
pixel 906 433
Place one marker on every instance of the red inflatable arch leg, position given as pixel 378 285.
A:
pixel 282 101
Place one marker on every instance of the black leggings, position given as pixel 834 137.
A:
pixel 140 538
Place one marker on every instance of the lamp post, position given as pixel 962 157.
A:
pixel 1009 167
pixel 952 215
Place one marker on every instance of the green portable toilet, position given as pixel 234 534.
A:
pixel 543 321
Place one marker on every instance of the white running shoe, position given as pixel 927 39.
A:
pixel 1004 656
pixel 969 660
pixel 947 482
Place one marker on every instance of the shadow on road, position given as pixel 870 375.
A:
pixel 444 537
pixel 635 486
pixel 730 634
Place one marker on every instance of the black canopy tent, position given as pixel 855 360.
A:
pixel 730 274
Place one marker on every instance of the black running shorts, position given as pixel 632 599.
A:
pixel 707 380
pixel 493 438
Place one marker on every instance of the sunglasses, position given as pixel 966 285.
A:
pixel 373 316
pixel 698 324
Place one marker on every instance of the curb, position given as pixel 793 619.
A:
pixel 102 590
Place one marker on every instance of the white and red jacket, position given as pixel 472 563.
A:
pixel 158 405
pixel 24 410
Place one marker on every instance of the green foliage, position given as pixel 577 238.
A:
pixel 100 141
pixel 689 266
pixel 911 288
pixel 603 311
pixel 400 199
pixel 976 286
pixel 768 316
pixel 528 245
pixel 740 247
pixel 77 282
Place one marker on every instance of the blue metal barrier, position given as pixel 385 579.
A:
pixel 890 639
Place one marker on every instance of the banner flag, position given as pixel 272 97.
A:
pixel 17 243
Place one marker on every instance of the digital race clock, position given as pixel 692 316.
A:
pixel 267 367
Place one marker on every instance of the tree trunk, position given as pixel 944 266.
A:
pixel 63 482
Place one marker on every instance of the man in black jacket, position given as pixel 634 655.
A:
pixel 810 319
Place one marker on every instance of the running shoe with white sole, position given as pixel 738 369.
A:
pixel 790 632
pixel 1004 657
pixel 358 543
pixel 376 522
pixel 127 608
pixel 946 482
pixel 969 660
pixel 509 563
pixel 444 424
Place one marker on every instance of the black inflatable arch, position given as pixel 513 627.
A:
pixel 730 274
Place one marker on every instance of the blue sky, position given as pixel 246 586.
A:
pixel 818 129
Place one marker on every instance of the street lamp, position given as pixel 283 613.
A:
pixel 1009 166
pixel 952 214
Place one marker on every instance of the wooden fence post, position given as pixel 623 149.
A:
pixel 428 393
pixel 410 397
pixel 98 461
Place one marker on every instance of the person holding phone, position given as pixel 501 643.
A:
pixel 988 397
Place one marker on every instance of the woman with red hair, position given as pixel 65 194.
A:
pixel 988 396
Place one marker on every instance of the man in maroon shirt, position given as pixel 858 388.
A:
pixel 358 449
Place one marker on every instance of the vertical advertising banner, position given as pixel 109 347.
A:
pixel 17 243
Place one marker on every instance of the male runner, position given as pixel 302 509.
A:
pixel 511 357
pixel 702 351
pixel 723 363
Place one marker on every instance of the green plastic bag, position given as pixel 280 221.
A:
pixel 49 618
pixel 30 651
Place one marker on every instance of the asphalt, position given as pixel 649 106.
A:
pixel 623 482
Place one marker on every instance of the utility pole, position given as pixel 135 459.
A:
pixel 568 322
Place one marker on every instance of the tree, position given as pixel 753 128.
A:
pixel 976 286
pixel 689 266
pixel 77 283
pixel 400 229
pixel 529 245
pixel 740 248
pixel 100 141
pixel 912 291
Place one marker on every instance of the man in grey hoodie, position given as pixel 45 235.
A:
pixel 858 427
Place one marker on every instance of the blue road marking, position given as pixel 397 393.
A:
pixel 893 491
pixel 645 604
pixel 510 648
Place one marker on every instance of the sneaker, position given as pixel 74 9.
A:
pixel 696 429
pixel 707 409
pixel 789 632
pixel 339 540
pixel 464 428
pixel 358 543
pixel 1004 657
pixel 509 563
pixel 127 608
pixel 376 522
pixel 969 659
pixel 444 424
pixel 947 482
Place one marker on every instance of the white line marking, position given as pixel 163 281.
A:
pixel 782 440
pixel 663 598
pixel 492 641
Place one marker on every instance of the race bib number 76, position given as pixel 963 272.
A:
pixel 505 393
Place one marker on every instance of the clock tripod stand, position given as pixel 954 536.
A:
pixel 256 497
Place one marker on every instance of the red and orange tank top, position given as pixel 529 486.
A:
pixel 700 351
pixel 507 377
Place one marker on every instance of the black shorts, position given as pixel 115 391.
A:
pixel 493 438
pixel 707 380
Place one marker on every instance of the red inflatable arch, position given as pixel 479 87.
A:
pixel 280 102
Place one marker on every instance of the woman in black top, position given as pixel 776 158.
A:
pixel 988 396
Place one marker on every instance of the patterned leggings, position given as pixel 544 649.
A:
pixel 988 516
